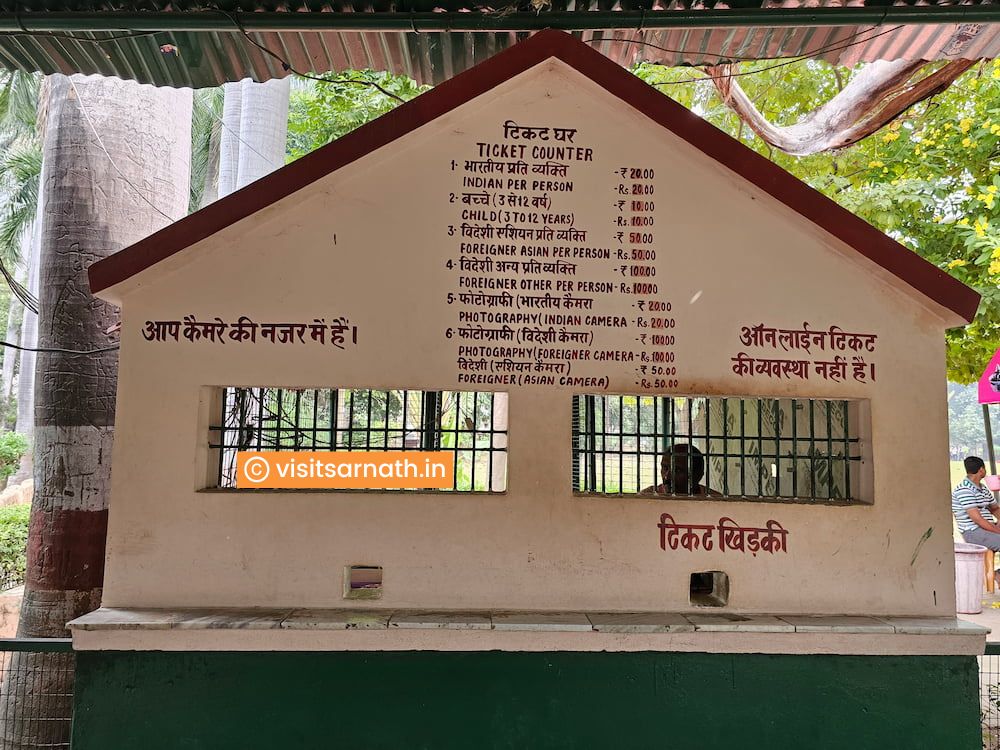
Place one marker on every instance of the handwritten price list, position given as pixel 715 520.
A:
pixel 536 287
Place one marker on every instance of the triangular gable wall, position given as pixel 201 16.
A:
pixel 936 285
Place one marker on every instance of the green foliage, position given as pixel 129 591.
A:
pixel 20 160
pixel 930 179
pixel 20 170
pixel 965 422
pixel 13 541
pixel 18 105
pixel 319 113
pixel 13 445
pixel 206 127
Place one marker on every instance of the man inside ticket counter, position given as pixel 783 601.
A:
pixel 681 469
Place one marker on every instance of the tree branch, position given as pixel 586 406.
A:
pixel 873 98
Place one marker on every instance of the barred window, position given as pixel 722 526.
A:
pixel 471 424
pixel 806 450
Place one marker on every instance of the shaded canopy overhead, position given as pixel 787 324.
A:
pixel 200 45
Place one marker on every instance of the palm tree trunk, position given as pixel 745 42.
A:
pixel 112 178
pixel 210 189
pixel 29 340
pixel 263 128
pixel 25 423
pixel 229 148
pixel 117 159
pixel 15 319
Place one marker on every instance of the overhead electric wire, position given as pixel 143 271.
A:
pixel 288 66
pixel 26 298
pixel 831 47
pixel 56 350
pixel 100 143
pixel 781 64
pixel 249 146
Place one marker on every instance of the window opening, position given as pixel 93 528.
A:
pixel 473 425
pixel 746 448
pixel 709 589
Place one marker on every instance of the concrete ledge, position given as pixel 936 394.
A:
pixel 385 630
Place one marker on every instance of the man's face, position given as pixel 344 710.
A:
pixel 981 474
pixel 674 470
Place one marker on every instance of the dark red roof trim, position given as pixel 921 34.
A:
pixel 841 223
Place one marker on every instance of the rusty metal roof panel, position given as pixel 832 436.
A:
pixel 225 52
pixel 971 41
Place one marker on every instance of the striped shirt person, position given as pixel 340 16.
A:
pixel 975 508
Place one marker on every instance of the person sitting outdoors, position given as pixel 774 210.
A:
pixel 681 468
pixel 975 508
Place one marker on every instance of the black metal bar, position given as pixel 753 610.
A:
pixel 386 422
pixel 334 417
pixel 760 445
pixel 223 453
pixel 424 21
pixel 621 443
pixel 655 408
pixel 708 447
pixel 667 406
pixel 689 456
pixel 296 429
pixel 278 415
pixel 812 450
pixel 492 436
pixel 589 411
pixel 259 441
pixel 350 420
pixel 848 490
pixel 725 447
pixel 472 441
pixel 638 444
pixel 37 645
pixel 458 434
pixel 990 450
pixel 777 448
pixel 369 405
pixel 795 447
pixel 438 418
pixel 829 450
pixel 577 445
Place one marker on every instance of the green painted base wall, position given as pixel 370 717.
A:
pixel 466 701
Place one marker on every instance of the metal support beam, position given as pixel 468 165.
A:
pixel 990 451
pixel 207 20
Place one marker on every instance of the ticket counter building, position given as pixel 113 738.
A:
pixel 698 420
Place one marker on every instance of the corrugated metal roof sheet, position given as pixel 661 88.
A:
pixel 211 57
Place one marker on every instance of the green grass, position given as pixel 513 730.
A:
pixel 13 538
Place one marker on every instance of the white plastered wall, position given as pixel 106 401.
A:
pixel 730 256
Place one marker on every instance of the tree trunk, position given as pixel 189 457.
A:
pixel 263 128
pixel 29 340
pixel 15 319
pixel 25 423
pixel 210 187
pixel 117 159
pixel 229 147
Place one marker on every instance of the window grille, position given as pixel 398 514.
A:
pixel 473 425
pixel 752 448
